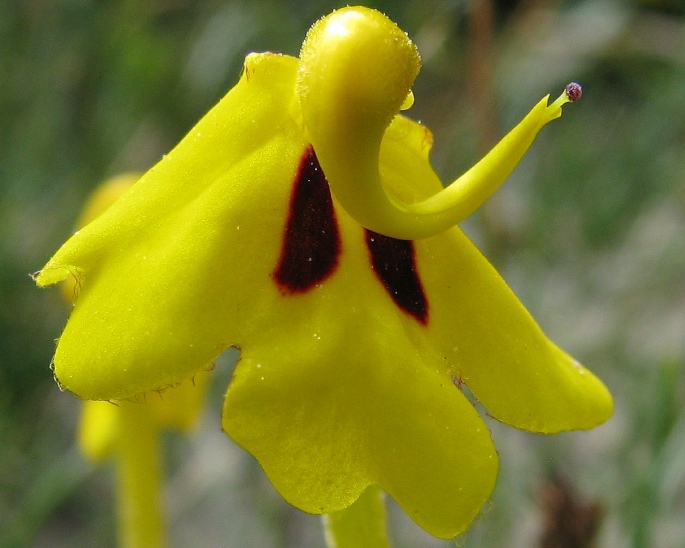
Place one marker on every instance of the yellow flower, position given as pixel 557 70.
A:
pixel 359 313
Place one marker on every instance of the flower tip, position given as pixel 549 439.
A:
pixel 574 91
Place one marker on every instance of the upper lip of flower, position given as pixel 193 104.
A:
pixel 356 70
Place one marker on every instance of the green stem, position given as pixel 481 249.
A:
pixel 360 525
pixel 138 479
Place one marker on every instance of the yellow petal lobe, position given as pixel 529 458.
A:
pixel 179 268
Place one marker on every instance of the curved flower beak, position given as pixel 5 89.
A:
pixel 301 220
pixel 356 70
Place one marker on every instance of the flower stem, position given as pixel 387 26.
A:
pixel 138 479
pixel 361 524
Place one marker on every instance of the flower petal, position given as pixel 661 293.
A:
pixel 344 390
pixel 176 270
pixel 497 349
pixel 331 405
pixel 485 335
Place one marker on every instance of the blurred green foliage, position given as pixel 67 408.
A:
pixel 589 231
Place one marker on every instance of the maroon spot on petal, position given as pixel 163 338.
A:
pixel 394 263
pixel 311 239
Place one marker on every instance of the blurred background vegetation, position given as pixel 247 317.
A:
pixel 589 231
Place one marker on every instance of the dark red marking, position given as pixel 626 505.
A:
pixel 311 240
pixel 394 263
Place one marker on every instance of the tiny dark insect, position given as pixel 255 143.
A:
pixel 574 91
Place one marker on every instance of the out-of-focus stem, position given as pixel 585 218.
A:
pixel 138 470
